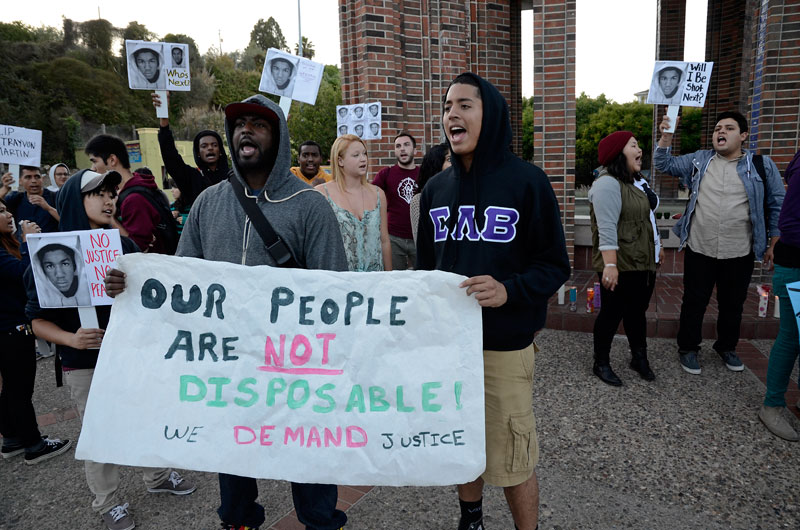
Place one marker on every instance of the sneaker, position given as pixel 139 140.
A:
pixel 174 484
pixel 52 447
pixel 475 525
pixel 689 361
pixel 13 450
pixel 773 419
pixel 731 360
pixel 118 518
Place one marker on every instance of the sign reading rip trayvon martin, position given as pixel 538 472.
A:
pixel 308 376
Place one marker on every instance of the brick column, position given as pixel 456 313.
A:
pixel 554 103
pixel 670 31
pixel 729 44
pixel 404 53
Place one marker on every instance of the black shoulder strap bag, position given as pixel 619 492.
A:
pixel 275 245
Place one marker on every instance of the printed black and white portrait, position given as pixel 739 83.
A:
pixel 146 68
pixel 358 130
pixel 279 74
pixel 58 270
pixel 666 86
pixel 374 110
pixel 373 130
pixel 342 112
pixel 342 130
pixel 178 56
pixel 358 112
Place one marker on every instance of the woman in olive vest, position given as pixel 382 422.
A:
pixel 623 254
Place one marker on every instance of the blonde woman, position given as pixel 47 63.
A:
pixel 359 206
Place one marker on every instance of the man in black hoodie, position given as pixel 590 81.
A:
pixel 494 218
pixel 209 155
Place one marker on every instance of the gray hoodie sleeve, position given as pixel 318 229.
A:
pixel 189 244
pixel 322 244
pixel 606 199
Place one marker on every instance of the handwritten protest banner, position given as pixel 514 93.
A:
pixel 20 146
pixel 69 267
pixel 309 376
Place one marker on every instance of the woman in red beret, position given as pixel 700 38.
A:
pixel 623 253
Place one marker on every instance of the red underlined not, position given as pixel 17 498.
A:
pixel 301 371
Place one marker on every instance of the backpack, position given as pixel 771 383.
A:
pixel 167 229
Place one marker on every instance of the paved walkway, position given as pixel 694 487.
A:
pixel 684 452
pixel 663 314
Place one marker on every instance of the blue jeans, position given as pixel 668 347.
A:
pixel 315 504
pixel 787 345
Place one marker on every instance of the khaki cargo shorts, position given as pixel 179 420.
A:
pixel 512 449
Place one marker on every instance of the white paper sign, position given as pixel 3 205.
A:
pixel 69 267
pixel 291 76
pixel 680 83
pixel 20 146
pixel 158 66
pixel 308 376
pixel 361 119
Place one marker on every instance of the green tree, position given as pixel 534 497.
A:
pixel 308 49
pixel 691 125
pixel 16 32
pixel 611 117
pixel 268 35
pixel 318 121
pixel 527 129
pixel 253 57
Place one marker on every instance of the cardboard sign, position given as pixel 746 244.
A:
pixel 680 83
pixel 158 66
pixel 361 119
pixel 291 76
pixel 20 146
pixel 308 376
pixel 69 267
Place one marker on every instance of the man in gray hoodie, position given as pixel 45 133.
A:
pixel 218 229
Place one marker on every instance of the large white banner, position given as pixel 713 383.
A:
pixel 309 376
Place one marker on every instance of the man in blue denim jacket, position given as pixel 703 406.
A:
pixel 722 231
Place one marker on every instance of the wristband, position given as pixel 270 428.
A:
pixel 610 264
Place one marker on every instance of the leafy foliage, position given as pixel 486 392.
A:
pixel 308 49
pixel 317 122
pixel 268 35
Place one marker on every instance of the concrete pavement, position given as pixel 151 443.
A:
pixel 684 452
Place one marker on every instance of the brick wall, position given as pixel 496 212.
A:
pixel 404 53
pixel 554 103
pixel 670 31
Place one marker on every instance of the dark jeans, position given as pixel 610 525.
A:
pixel 627 303
pixel 700 275
pixel 18 369
pixel 315 504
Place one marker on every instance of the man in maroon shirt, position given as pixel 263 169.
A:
pixel 398 182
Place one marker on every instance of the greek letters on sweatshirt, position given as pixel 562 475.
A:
pixel 500 218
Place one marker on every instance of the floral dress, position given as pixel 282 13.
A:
pixel 361 237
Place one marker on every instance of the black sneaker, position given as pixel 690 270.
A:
pixel 11 450
pixel 52 447
pixel 474 525
pixel 731 360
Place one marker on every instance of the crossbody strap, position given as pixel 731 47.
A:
pixel 275 245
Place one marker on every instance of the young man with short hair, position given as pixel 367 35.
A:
pixel 309 168
pixel 217 230
pixel 730 220
pixel 86 202
pixel 35 203
pixel 399 183
pixel 494 218
pixel 139 219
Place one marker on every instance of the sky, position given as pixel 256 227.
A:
pixel 615 41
